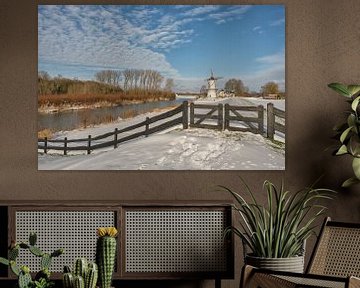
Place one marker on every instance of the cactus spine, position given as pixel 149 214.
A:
pixel 106 254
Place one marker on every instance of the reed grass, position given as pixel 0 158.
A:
pixel 114 98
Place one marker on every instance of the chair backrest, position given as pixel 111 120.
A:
pixel 337 251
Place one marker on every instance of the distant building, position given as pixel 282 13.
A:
pixel 270 96
pixel 212 91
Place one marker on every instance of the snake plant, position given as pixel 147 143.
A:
pixel 349 132
pixel 279 228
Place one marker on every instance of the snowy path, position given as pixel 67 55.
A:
pixel 176 149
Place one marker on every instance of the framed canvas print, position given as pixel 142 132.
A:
pixel 161 87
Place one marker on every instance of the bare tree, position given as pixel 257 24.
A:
pixel 169 84
pixel 111 77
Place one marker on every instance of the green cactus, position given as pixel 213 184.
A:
pixel 24 245
pixel 68 280
pixel 80 267
pixel 105 255
pixel 42 278
pixel 57 252
pixel 79 282
pixel 87 272
pixel 13 253
pixel 67 269
pixel 36 251
pixel 91 276
pixel 32 238
pixel 45 261
pixel 14 268
pixel 24 280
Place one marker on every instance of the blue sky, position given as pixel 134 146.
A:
pixel 183 42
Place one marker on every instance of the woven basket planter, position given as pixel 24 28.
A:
pixel 291 264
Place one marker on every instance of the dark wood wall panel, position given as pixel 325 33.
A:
pixel 322 46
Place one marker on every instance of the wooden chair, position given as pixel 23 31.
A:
pixel 335 262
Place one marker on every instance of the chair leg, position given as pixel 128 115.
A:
pixel 250 278
pixel 246 274
pixel 354 282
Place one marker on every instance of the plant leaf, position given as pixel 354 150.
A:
pixel 353 89
pixel 355 103
pixel 356 167
pixel 349 182
pixel 345 134
pixel 340 88
pixel 342 150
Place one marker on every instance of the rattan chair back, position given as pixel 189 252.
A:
pixel 337 252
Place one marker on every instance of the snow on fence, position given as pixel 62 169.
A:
pixel 219 117
pixel 118 135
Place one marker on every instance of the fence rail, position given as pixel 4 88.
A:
pixel 215 113
pixel 274 115
pixel 89 144
pixel 251 124
pixel 219 117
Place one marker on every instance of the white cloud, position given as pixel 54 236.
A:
pixel 278 58
pixel 235 12
pixel 278 22
pixel 200 10
pixel 256 28
pixel 101 36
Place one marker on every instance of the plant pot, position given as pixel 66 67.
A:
pixel 291 264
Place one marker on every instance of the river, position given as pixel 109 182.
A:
pixel 72 119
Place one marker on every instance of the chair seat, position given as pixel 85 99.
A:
pixel 315 282
pixel 267 279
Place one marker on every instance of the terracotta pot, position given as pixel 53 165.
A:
pixel 291 264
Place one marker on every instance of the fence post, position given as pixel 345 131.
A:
pixel 261 119
pixel 227 116
pixel 270 121
pixel 220 117
pixel 115 138
pixel 147 126
pixel 65 146
pixel 185 118
pixel 192 112
pixel 45 145
pixel 89 145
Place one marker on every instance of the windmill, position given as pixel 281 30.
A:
pixel 212 91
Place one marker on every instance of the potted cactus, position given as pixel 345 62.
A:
pixel 84 275
pixel 106 254
pixel 42 278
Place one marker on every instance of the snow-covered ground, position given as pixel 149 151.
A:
pixel 175 149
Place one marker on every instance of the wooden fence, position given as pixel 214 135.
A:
pixel 245 122
pixel 92 143
pixel 274 118
pixel 219 117
pixel 215 113
pixel 238 118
